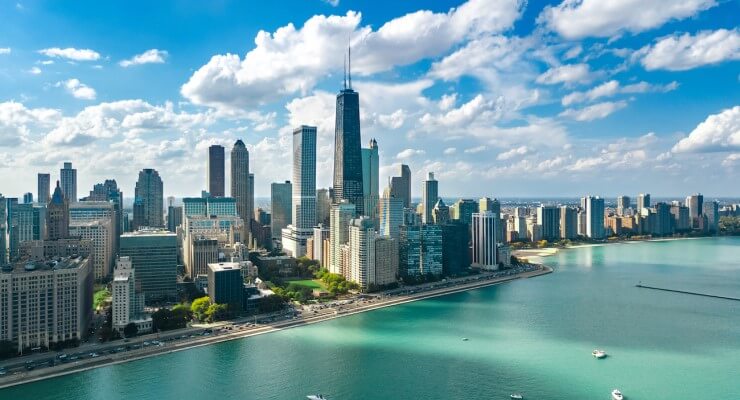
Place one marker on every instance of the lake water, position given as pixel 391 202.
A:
pixel 533 336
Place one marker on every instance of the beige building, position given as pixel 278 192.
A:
pixel 386 260
pixel 101 234
pixel 45 302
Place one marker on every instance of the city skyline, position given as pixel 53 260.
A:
pixel 621 107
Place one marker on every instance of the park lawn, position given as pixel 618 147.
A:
pixel 309 283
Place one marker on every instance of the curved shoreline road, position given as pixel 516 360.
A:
pixel 417 293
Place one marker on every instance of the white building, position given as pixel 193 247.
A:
pixel 341 215
pixel 386 260
pixel 362 252
pixel 295 236
pixel 391 215
pixel 45 302
pixel 128 303
pixel 100 233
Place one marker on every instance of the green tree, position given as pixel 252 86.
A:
pixel 200 307
pixel 217 312
pixel 130 330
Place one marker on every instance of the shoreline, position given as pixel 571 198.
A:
pixel 104 361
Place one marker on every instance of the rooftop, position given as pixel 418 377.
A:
pixel 44 265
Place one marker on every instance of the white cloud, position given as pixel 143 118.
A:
pixel 77 89
pixel 476 108
pixel 613 87
pixel 683 52
pixel 576 19
pixel 394 120
pixel 515 152
pixel 34 71
pixel 291 60
pixel 332 3
pixel 5 50
pixel 408 153
pixel 18 123
pixel 568 74
pixel 573 52
pixel 731 160
pixel 474 150
pixel 450 151
pixel 447 101
pixel 71 53
pixel 152 56
pixel 595 111
pixel 719 132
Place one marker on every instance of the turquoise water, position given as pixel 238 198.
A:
pixel 533 336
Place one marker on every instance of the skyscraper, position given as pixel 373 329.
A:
pixel 594 207
pixel 643 201
pixel 304 192
pixel 420 250
pixel 149 194
pixel 429 197
pixel 68 176
pixel 280 195
pixel 216 179
pixel 549 218
pixel 568 222
pixel 623 203
pixel 695 203
pixel 323 206
pixel 44 186
pixel 153 255
pixel 391 216
pixel 441 213
pixel 341 215
pixel 240 182
pixel 484 231
pixel 347 154
pixel 711 210
pixel 370 184
pixel 463 209
pixel 362 252
pixel 57 216
pixel 401 186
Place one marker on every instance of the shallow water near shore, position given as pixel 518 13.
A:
pixel 533 336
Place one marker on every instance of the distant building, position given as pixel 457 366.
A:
pixel 643 201
pixel 43 193
pixel 681 220
pixel 216 166
pixel 401 186
pixel 57 216
pixel 429 197
pixel 711 211
pixel 568 222
pixel 695 203
pixel 484 241
pixel 153 255
pixel 295 235
pixel 320 234
pixel 323 206
pixel 370 174
pixel 594 217
pixel 623 203
pixel 441 213
pixel 226 285
pixel 68 177
pixel 549 218
pixel 281 213
pixel 174 218
pixel 240 188
pixel 663 220
pixel 149 195
pixel 391 216
pixel 208 206
pixel 463 210
pixel 45 302
pixel 341 215
pixel 101 233
pixel 27 198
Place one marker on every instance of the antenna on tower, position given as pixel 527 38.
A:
pixel 345 72
pixel 349 64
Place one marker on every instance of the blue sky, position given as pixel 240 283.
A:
pixel 500 98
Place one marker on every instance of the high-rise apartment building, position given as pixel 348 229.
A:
pixel 128 302
pixel 43 192
pixel 149 194
pixel 370 176
pixel 695 203
pixel 68 177
pixel 568 222
pixel 710 209
pixel 420 250
pixel 643 201
pixel 391 216
pixel 623 203
pixel 362 252
pixel 386 260
pixel 341 215
pixel 101 233
pixel 216 174
pixel 549 218
pixel 594 207
pixel 320 234
pixel 429 197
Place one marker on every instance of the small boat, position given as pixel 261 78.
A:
pixel 516 396
pixel 465 339
pixel 599 353
pixel 617 395
pixel 316 397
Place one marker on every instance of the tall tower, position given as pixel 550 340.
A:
pixel 370 184
pixel 347 154
pixel 57 216
pixel 401 186
pixel 304 192
pixel 430 195
pixel 484 231
pixel 240 182
pixel 68 177
pixel 44 186
pixel 148 200
pixel 216 180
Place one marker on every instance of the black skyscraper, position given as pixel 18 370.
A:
pixel 347 153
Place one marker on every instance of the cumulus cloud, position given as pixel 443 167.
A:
pixel 408 153
pixel 683 52
pixel 71 53
pixel 18 123
pixel 515 152
pixel 576 19
pixel 731 160
pixel 291 60
pixel 612 88
pixel 152 56
pixel 568 74
pixel 450 151
pixel 5 50
pixel 34 71
pixel 719 132
pixel 476 108
pixel 595 111
pixel 77 89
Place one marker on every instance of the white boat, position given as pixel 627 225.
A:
pixel 316 397
pixel 617 395
pixel 599 353
pixel 516 396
